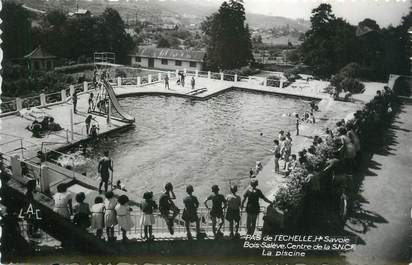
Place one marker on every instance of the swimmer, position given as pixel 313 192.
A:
pixel 258 167
pixel 119 185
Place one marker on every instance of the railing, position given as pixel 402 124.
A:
pixel 67 91
pixel 129 81
pixel 156 76
pixel 30 102
pixel 78 88
pixel 53 97
pixel 215 76
pixel 74 163
pixel 8 106
pixel 203 74
pixel 160 229
pixel 43 237
pixel 273 82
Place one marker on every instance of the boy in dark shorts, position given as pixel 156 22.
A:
pixel 252 196
pixel 190 212
pixel 167 208
pixel 104 168
pixel 218 204
pixel 233 211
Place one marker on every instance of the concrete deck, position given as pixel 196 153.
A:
pixel 14 133
pixel 311 90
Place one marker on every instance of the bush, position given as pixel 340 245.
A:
pixel 346 79
pixel 290 198
pixel 352 85
pixel 75 68
pixel 351 70
pixel 402 87
pixel 70 79
pixel 247 71
pixel 119 73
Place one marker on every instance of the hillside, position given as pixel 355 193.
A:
pixel 179 12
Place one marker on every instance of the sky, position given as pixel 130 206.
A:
pixel 385 12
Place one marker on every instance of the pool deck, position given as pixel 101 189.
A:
pixel 302 89
pixel 14 133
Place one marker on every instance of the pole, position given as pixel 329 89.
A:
pixel 74 176
pixel 21 146
pixel 71 124
pixel 109 114
pixel 111 181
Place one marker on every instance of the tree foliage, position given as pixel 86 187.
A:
pixel 65 37
pixel 163 43
pixel 228 38
pixel 16 29
pixel 332 43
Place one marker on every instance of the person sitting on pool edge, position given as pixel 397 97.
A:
pixel 218 205
pixel 167 208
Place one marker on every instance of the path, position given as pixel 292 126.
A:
pixel 384 221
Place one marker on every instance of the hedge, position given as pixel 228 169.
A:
pixel 366 123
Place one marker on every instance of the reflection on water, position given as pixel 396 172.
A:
pixel 195 142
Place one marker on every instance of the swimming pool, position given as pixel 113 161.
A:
pixel 195 142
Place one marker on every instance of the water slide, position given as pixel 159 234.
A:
pixel 115 102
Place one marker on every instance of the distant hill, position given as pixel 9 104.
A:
pixel 180 12
pixel 266 22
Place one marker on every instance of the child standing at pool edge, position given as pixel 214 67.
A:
pixel 148 206
pixel 123 216
pixel 190 212
pixel 218 204
pixel 233 211
pixel 98 216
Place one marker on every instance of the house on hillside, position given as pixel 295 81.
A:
pixel 40 60
pixel 168 59
pixel 80 13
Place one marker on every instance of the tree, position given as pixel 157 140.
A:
pixel 81 38
pixel 55 18
pixel 228 38
pixel 113 36
pixel 163 43
pixel 16 27
pixel 330 44
pixel 370 23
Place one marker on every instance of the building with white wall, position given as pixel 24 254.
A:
pixel 167 59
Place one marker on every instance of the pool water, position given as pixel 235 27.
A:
pixel 195 142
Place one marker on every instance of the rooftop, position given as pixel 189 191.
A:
pixel 39 53
pixel 165 53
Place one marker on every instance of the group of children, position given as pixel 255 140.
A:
pixel 107 211
pixel 104 214
pixel 46 125
pixel 282 148
pixel 180 80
